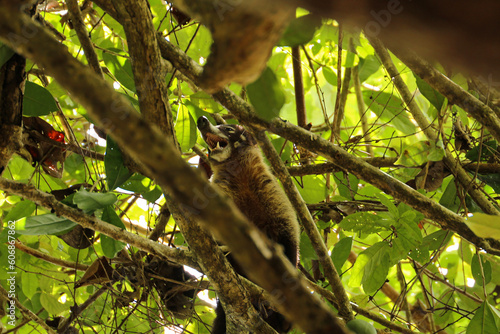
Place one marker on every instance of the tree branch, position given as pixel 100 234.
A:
pixel 361 109
pixel 298 85
pixel 427 128
pixel 48 201
pixel 453 92
pixel 51 259
pixel 340 113
pixel 329 167
pixel 83 35
pixel 12 80
pixel 149 79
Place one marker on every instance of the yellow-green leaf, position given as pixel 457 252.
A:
pixel 484 226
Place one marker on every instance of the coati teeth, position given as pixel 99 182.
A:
pixel 217 146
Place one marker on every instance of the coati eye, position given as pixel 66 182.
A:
pixel 228 129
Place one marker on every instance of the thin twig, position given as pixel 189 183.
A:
pixel 300 103
pixel 83 36
pixel 50 259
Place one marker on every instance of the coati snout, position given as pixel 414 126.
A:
pixel 222 140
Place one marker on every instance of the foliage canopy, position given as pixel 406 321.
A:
pixel 393 259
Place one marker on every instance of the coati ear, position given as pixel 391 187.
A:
pixel 247 137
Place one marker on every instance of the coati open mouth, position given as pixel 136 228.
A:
pixel 218 138
pixel 215 142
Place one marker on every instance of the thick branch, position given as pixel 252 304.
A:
pixel 12 79
pixel 146 64
pixel 153 100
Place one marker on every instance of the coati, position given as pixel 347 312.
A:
pixel 240 171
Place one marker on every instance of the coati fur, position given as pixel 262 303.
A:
pixel 239 171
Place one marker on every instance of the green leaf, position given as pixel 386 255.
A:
pixel 390 109
pixel 371 267
pixel 408 237
pixel 307 252
pixel 341 252
pixel 153 195
pixel 37 100
pixel 116 172
pixel 393 210
pixel 90 202
pixel 110 246
pixel 74 165
pixel 330 75
pixel 437 240
pixel 120 67
pixel 421 152
pixel 420 254
pixel 449 199
pixel 347 187
pixel 203 102
pixel 484 226
pixel 368 66
pixel 301 30
pixel 18 169
pixel 52 305
pixel 185 128
pixel 312 188
pixel 477 273
pixel 365 222
pixel 434 97
pixel 350 60
pixel 44 224
pixel 137 183
pixel 20 210
pixel 5 53
pixel 437 151
pixel 485 320
pixel 359 326
pixel 266 95
pixel 29 283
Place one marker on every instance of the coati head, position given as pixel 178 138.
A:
pixel 224 141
